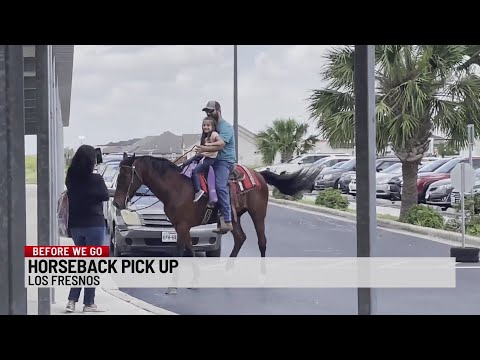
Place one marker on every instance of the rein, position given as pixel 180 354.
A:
pixel 189 151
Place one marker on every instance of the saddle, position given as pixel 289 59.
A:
pixel 240 181
pixel 237 175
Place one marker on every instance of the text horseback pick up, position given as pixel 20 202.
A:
pixel 50 266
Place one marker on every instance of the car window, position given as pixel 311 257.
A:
pixel 313 158
pixel 338 164
pixel 432 166
pixel 448 166
pixel 383 164
pixel 110 172
pixel 295 160
pixel 392 167
pixel 349 165
pixel 321 161
pixel 309 160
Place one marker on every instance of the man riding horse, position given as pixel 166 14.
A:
pixel 224 164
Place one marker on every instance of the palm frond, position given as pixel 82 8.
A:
pixel 338 71
pixel 326 102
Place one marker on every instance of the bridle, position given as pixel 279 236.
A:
pixel 127 197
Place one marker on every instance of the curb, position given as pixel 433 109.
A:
pixel 442 234
pixel 137 302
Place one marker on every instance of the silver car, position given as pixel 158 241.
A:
pixel 155 232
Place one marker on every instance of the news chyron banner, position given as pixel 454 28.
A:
pixel 92 266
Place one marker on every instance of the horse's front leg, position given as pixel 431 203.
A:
pixel 184 248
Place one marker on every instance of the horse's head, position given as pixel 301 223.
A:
pixel 128 181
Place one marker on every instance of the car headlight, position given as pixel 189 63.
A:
pixel 445 187
pixel 130 218
pixel 327 177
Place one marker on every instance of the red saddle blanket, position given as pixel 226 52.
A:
pixel 241 180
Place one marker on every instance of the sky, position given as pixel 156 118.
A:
pixel 122 92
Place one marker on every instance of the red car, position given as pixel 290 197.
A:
pixel 443 172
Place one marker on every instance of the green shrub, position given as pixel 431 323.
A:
pixel 332 198
pixel 472 221
pixel 453 225
pixel 278 195
pixel 469 203
pixel 424 216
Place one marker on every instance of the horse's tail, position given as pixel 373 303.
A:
pixel 291 184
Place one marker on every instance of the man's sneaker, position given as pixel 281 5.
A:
pixel 198 195
pixel 92 308
pixel 70 306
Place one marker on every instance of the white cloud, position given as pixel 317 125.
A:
pixel 120 92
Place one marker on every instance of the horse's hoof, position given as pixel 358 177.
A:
pixel 171 291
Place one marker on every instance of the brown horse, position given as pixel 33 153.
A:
pixel 175 191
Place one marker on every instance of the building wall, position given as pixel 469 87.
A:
pixel 323 146
pixel 247 151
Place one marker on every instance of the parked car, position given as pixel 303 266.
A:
pixel 301 161
pixel 331 162
pixel 156 233
pixel 382 178
pixel 381 163
pixel 455 193
pixel 108 159
pixel 395 183
pixel 109 172
pixel 443 172
pixel 439 193
pixel 329 177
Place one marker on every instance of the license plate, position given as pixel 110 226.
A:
pixel 169 236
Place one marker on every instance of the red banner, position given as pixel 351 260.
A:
pixel 67 251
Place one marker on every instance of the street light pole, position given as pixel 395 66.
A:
pixel 365 141
pixel 235 99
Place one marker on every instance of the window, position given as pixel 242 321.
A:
pixel 110 172
pixel 349 165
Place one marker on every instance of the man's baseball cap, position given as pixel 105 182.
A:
pixel 212 105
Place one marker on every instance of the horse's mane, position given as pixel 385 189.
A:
pixel 159 164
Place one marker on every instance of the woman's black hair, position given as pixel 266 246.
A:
pixel 207 135
pixel 82 165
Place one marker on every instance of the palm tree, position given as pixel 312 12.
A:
pixel 287 137
pixel 419 89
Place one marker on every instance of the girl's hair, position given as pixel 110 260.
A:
pixel 207 135
pixel 82 165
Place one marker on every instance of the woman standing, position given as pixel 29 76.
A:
pixel 86 193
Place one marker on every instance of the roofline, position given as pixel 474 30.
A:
pixel 63 55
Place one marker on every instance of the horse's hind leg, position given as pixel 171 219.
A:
pixel 258 216
pixel 239 237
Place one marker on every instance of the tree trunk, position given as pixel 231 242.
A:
pixel 409 187
pixel 285 156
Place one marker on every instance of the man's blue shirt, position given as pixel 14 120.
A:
pixel 225 130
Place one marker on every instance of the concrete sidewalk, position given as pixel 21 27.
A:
pixel 111 300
